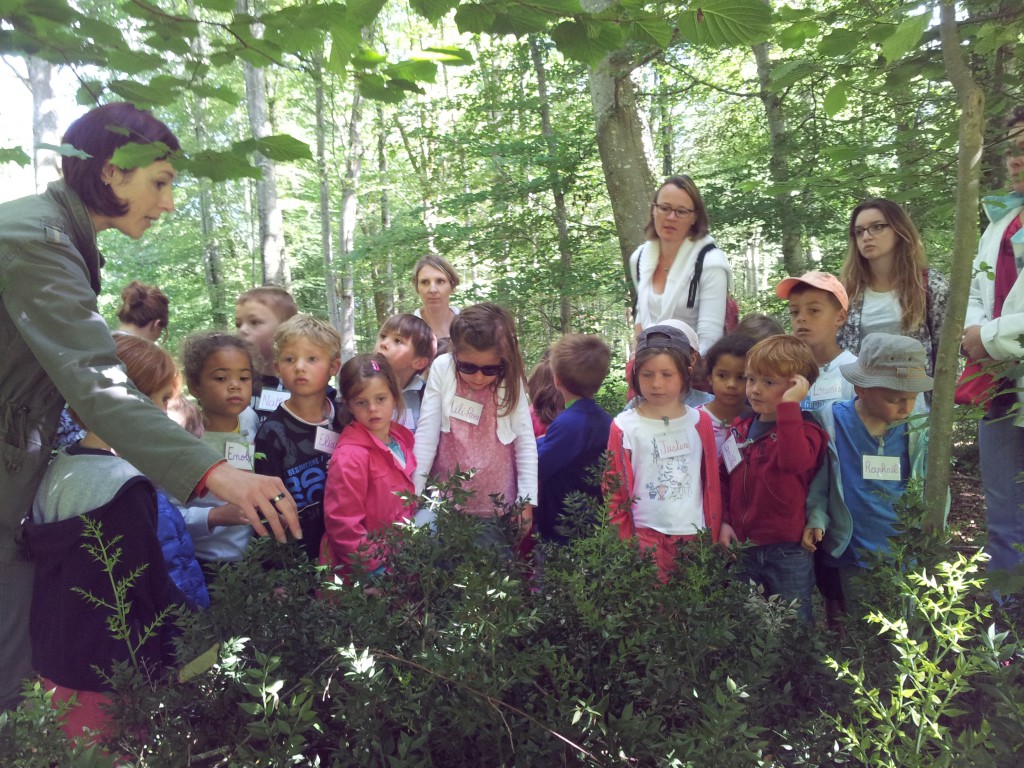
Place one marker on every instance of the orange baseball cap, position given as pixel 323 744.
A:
pixel 821 280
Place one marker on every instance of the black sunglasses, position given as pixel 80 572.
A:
pixel 487 370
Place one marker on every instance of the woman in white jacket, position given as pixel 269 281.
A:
pixel 993 330
pixel 662 268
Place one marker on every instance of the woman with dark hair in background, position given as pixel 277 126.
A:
pixel 144 311
pixel 663 268
pixel 58 349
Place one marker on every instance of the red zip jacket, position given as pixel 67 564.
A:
pixel 764 498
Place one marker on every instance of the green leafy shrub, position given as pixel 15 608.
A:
pixel 463 655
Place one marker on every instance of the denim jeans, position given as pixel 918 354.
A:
pixel 786 570
pixel 1001 447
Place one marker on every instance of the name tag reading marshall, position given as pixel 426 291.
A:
pixel 239 455
pixel 669 446
pixel 271 398
pixel 325 440
pixel 467 410
pixel 882 468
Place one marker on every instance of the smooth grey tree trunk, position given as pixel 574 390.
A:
pixel 45 163
pixel 347 224
pixel 271 220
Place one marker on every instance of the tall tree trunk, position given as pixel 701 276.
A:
pixel 778 165
pixel 330 280
pixel 272 252
pixel 620 143
pixel 971 99
pixel 44 121
pixel 347 224
pixel 557 192
pixel 211 249
pixel 383 273
pixel 665 134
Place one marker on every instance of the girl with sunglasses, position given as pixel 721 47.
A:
pixel 886 275
pixel 475 416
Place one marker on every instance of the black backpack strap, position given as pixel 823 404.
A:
pixel 691 297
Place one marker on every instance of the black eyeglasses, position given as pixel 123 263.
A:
pixel 875 229
pixel 665 209
pixel 487 370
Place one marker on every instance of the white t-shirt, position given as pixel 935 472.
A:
pixel 830 385
pixel 881 313
pixel 666 458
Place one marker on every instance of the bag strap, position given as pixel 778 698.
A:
pixel 691 297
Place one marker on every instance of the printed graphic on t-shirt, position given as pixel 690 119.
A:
pixel 673 479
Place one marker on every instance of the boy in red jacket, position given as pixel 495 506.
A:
pixel 768 462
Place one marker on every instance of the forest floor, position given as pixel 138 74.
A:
pixel 967 510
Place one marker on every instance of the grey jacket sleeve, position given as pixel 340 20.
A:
pixel 48 299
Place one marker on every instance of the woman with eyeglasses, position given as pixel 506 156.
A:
pixel 887 278
pixel 662 269
pixel 992 332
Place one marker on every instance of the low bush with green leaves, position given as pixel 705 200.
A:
pixel 465 656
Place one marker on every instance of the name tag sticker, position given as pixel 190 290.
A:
pixel 669 446
pixel 882 468
pixel 271 398
pixel 828 389
pixel 325 440
pixel 239 455
pixel 467 410
pixel 731 453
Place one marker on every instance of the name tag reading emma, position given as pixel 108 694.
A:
pixel 882 468
pixel 669 446
pixel 325 440
pixel 731 453
pixel 467 410
pixel 239 455
pixel 271 398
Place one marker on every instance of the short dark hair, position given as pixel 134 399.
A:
pixel 199 346
pixel 273 297
pixel 1016 116
pixel 101 132
pixel 416 330
pixel 759 326
pixel 735 344
pixel 581 363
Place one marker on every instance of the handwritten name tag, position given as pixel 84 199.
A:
pixel 271 398
pixel 239 455
pixel 827 389
pixel 881 468
pixel 731 453
pixel 669 446
pixel 467 410
pixel 325 440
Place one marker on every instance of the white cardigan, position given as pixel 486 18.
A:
pixel 1000 337
pixel 435 418
pixel 707 316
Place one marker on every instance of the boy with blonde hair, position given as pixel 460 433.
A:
pixel 768 463
pixel 295 442
pixel 409 346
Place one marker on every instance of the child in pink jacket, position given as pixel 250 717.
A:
pixel 371 462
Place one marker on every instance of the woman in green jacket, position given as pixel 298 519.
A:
pixel 57 348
